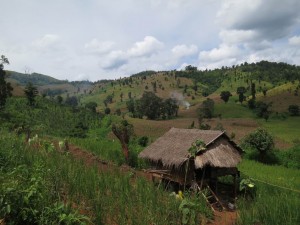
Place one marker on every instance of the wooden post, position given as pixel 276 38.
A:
pixel 202 178
pixel 235 187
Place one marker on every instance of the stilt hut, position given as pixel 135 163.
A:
pixel 171 159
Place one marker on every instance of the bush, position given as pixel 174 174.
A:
pixel 261 141
pixel 294 110
pixel 143 141
pixel 289 158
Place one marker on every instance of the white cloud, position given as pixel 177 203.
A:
pixel 237 36
pixel 97 47
pixel 114 60
pixel 150 45
pixel 217 54
pixel 295 40
pixel 47 41
pixel 77 41
pixel 184 50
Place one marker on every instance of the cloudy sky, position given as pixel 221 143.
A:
pixel 107 39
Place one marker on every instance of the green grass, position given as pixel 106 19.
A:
pixel 278 175
pixel 287 129
pixel 112 197
pixel 233 110
pixel 275 201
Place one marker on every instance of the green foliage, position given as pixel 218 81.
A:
pixel 273 203
pixel 35 78
pixel 47 117
pixel 123 131
pixel 72 101
pixel 105 196
pixel 5 87
pixel 211 78
pixel 193 209
pixel 143 141
pixel 206 110
pixel 80 131
pixel 26 194
pixel 107 111
pixel 260 140
pixel 91 106
pixel 263 110
pixel 31 92
pixel 294 110
pixel 59 99
pixel 225 95
pixel 241 91
pixel 289 158
pixel 247 186
pixel 196 147
pixel 152 107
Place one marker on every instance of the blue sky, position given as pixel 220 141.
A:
pixel 99 39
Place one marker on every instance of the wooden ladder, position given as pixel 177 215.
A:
pixel 212 199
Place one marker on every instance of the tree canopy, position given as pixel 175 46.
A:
pixel 225 95
pixel 260 140
pixel 31 92
pixel 123 131
pixel 5 87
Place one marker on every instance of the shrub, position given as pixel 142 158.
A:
pixel 294 110
pixel 259 140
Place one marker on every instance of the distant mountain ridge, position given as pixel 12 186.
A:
pixel 35 78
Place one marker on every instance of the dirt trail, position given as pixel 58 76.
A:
pixel 224 218
pixel 221 218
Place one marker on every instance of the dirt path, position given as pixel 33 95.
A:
pixel 221 218
pixel 224 218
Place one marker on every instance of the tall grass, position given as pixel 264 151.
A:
pixel 276 201
pixel 108 197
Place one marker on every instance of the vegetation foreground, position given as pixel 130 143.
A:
pixel 42 183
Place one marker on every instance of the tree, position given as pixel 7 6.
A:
pixel 260 140
pixel 253 90
pixel 150 104
pixel 265 91
pixel 131 106
pixel 5 87
pixel 263 110
pixel 59 99
pixel 294 110
pixel 252 103
pixel 206 109
pixel 225 95
pixel 123 131
pixel 241 91
pixel 31 92
pixel 169 108
pixel 72 101
pixel 107 111
pixel 191 68
pixel 91 106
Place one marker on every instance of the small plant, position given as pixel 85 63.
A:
pixel 188 212
pixel 248 187
pixel 197 146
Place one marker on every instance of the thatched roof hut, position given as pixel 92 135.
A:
pixel 170 151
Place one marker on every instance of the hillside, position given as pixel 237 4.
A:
pixel 275 83
pixel 46 85
pixel 73 154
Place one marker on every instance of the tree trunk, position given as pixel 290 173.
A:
pixel 126 152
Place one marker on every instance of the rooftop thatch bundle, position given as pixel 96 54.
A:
pixel 171 149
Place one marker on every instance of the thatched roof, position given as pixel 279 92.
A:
pixel 171 149
pixel 219 156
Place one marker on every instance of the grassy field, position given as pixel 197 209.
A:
pixel 277 195
pixel 287 129
pixel 233 110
